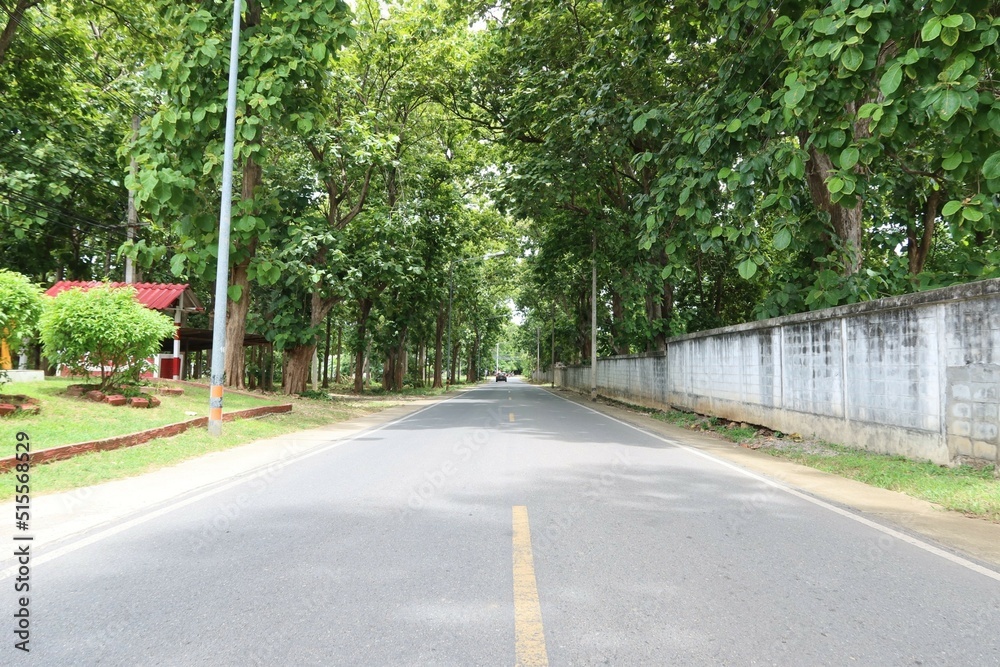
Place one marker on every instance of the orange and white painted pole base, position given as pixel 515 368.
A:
pixel 215 410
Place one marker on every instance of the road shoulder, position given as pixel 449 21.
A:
pixel 973 537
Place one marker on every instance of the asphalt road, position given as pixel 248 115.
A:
pixel 506 524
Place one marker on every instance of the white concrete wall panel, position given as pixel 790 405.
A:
pixel 892 366
pixel 917 375
pixel 813 375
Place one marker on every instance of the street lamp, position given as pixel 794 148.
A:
pixel 225 210
pixel 451 296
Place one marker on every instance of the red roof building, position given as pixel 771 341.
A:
pixel 187 345
pixel 155 296
pixel 179 299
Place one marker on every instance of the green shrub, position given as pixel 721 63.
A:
pixel 102 327
pixel 20 308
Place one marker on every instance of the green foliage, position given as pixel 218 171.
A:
pixel 69 87
pixel 104 328
pixel 20 307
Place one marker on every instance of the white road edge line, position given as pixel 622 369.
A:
pixel 920 544
pixel 269 468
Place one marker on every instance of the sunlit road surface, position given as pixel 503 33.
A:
pixel 506 526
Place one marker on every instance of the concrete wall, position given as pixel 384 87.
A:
pixel 541 376
pixel 916 375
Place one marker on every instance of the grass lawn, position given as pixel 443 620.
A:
pixel 99 467
pixel 65 420
pixel 972 490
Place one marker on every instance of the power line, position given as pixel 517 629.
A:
pixel 29 202
pixel 721 87
pixel 741 48
pixel 47 169
pixel 63 56
pixel 39 233
pixel 51 172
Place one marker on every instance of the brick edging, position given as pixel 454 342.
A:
pixel 69 451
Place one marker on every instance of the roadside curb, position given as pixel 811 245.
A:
pixel 974 537
pixel 65 452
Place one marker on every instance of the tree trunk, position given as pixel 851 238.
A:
pixel 236 326
pixel 13 21
pixel 296 373
pixel 319 308
pixel 452 367
pixel 422 362
pixel 340 335
pixel 389 370
pixel 364 309
pixel 618 324
pixel 438 336
pixel 474 356
pixel 400 369
pixel 667 311
pixel 236 316
pixel 918 250
pixel 846 222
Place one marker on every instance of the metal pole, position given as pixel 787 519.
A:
pixel 222 268
pixel 552 368
pixel 538 349
pixel 451 295
pixel 498 356
pixel 133 215
pixel 593 322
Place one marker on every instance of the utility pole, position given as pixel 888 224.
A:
pixel 225 213
pixel 451 296
pixel 538 349
pixel 498 356
pixel 326 354
pixel 593 321
pixel 552 368
pixel 133 215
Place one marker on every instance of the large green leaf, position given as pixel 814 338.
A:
pixel 948 104
pixel 991 167
pixel 931 29
pixel 782 239
pixel 849 157
pixel 951 208
pixel 852 58
pixel 890 80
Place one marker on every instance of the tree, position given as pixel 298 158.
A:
pixel 69 85
pixel 285 51
pixel 103 327
pixel 20 307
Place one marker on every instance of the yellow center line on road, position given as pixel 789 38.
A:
pixel 529 636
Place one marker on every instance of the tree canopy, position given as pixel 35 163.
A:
pixel 716 160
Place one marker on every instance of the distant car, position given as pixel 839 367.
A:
pixel 501 376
